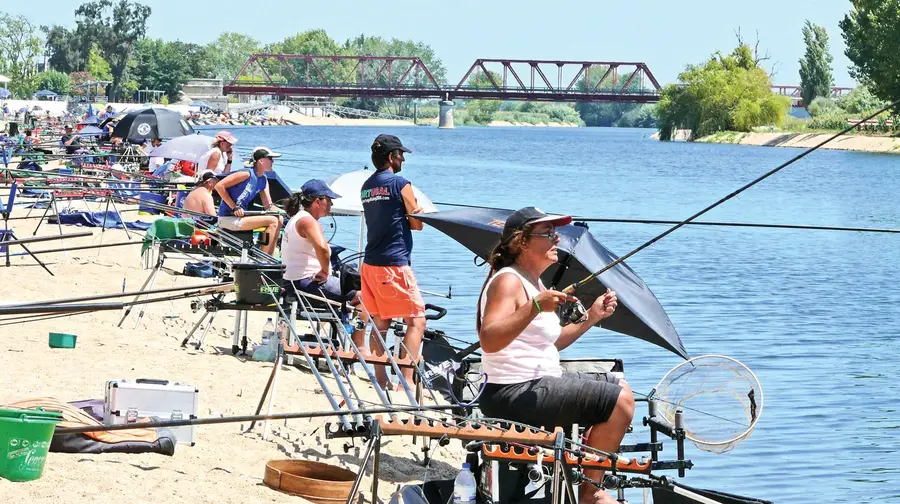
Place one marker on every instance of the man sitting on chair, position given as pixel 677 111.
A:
pixel 306 253
pixel 200 200
pixel 238 190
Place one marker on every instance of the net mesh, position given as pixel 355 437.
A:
pixel 720 398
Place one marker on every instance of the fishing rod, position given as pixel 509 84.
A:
pixel 244 418
pixel 124 294
pixel 703 223
pixel 572 288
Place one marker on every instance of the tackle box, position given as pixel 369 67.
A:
pixel 126 401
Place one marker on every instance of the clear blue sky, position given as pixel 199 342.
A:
pixel 664 34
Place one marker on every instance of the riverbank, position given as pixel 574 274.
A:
pixel 227 463
pixel 861 143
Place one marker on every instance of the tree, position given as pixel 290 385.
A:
pixel 97 66
pixel 19 47
pixel 871 32
pixel 725 93
pixel 116 28
pixel 481 111
pixel 860 100
pixel 160 65
pixel 66 52
pixel 815 67
pixel 605 114
pixel 228 53
pixel 58 82
pixel 198 64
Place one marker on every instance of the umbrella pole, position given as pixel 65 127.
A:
pixel 362 230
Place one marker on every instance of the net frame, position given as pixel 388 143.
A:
pixel 668 409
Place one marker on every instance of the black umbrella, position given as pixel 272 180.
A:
pixel 139 125
pixel 639 313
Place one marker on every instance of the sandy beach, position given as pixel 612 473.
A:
pixel 227 464
pixel 861 143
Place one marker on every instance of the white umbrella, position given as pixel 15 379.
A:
pixel 349 186
pixel 187 148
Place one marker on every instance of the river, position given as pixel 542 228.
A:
pixel 813 313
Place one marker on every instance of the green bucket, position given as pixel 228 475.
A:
pixel 25 437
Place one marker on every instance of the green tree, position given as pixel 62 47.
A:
pixel 19 47
pixel 815 66
pixel 160 65
pixel 65 51
pixel 822 106
pixel 871 32
pixel 860 100
pixel 605 114
pixel 197 59
pixel 116 27
pixel 97 66
pixel 725 93
pixel 481 111
pixel 58 82
pixel 228 53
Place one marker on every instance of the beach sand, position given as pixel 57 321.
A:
pixel 226 465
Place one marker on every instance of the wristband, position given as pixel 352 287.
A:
pixel 536 304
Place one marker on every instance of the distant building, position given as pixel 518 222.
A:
pixel 208 90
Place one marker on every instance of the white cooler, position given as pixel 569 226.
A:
pixel 126 401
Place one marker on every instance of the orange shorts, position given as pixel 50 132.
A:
pixel 391 292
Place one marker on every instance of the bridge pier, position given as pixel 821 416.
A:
pixel 445 117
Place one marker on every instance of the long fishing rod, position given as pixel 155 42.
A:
pixel 705 223
pixel 571 288
pixel 244 418
pixel 124 294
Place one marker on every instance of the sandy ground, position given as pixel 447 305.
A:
pixel 226 465
pixel 860 143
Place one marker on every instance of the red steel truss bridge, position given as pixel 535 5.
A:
pixel 286 75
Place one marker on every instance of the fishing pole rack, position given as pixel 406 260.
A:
pixel 505 446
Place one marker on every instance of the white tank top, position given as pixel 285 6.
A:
pixel 297 252
pixel 204 160
pixel 532 354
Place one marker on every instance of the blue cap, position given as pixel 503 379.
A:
pixel 316 188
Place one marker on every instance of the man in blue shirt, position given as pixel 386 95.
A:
pixel 239 189
pixel 389 288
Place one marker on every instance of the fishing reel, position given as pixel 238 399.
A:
pixel 573 312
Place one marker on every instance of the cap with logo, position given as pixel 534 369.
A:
pixel 530 216
pixel 261 153
pixel 316 188
pixel 384 144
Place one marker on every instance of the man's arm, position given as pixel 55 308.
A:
pixel 209 207
pixel 412 207
pixel 231 180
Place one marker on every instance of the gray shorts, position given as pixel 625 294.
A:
pixel 550 401
pixel 230 222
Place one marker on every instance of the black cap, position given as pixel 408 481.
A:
pixel 261 153
pixel 384 144
pixel 529 216
pixel 206 176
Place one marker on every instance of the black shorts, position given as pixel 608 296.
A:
pixel 550 402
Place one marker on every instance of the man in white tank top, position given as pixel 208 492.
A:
pixel 305 251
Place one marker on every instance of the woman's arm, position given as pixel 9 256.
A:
pixel 508 311
pixel 213 162
pixel 310 229
pixel 603 307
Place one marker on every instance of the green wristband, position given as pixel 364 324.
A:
pixel 536 304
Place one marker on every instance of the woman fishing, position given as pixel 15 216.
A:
pixel 521 337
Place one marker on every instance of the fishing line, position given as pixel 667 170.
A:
pixel 571 288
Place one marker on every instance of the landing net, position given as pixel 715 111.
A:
pixel 721 401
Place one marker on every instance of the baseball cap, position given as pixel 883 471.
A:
pixel 228 137
pixel 206 176
pixel 316 188
pixel 530 216
pixel 387 143
pixel 261 153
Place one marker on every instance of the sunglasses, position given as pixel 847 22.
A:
pixel 552 235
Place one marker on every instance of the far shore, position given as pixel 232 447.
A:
pixel 859 143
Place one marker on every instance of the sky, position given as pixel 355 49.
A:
pixel 665 35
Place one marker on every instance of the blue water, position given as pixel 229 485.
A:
pixel 813 313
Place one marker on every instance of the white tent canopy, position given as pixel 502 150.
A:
pixel 349 186
pixel 4 79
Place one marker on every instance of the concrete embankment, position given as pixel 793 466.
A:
pixel 860 143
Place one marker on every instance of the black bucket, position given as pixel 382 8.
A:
pixel 255 283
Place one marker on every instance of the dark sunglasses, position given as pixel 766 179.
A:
pixel 552 235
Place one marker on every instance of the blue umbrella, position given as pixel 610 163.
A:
pixel 90 131
pixel 90 120
pixel 45 93
pixel 201 104
pixel 4 93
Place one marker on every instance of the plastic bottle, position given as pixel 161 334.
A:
pixel 464 486
pixel 268 332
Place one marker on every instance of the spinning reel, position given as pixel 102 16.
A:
pixel 573 312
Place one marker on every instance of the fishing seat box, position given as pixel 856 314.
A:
pixel 126 401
